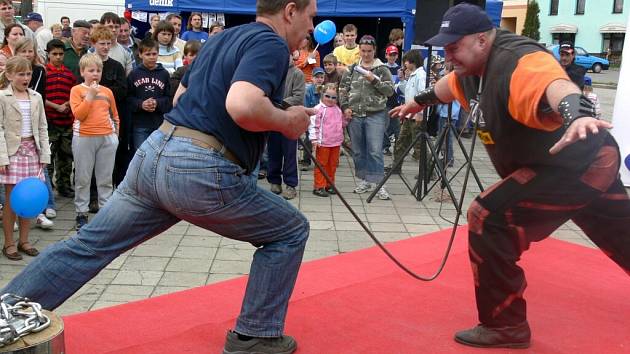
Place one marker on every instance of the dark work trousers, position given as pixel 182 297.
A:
pixel 282 155
pixel 306 160
pixel 124 152
pixel 528 206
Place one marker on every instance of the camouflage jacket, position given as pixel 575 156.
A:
pixel 364 97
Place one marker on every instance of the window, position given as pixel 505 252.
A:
pixel 617 6
pixel 580 51
pixel 579 7
pixel 553 8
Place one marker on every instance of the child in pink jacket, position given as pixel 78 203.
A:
pixel 326 135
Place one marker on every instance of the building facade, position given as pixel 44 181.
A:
pixel 598 26
pixel 513 15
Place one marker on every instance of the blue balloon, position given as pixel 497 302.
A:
pixel 627 161
pixel 29 197
pixel 325 31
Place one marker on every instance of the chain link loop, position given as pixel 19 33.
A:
pixel 20 319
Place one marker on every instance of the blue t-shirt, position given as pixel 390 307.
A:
pixel 251 53
pixel 197 36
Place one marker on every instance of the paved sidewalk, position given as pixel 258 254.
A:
pixel 187 256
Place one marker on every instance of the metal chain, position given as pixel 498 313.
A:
pixel 20 319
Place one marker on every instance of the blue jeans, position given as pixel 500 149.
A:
pixel 171 179
pixel 366 134
pixel 51 196
pixel 282 165
pixel 139 135
pixel 449 137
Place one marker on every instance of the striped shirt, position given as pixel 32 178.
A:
pixel 59 82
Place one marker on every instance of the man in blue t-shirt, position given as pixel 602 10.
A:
pixel 195 30
pixel 198 167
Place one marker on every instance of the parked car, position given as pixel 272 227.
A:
pixel 582 58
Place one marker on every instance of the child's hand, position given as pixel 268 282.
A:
pixel 93 90
pixel 347 113
pixel 149 105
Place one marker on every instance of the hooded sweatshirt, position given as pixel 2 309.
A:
pixel 142 84
pixel 362 96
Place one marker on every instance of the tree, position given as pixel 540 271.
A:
pixel 532 23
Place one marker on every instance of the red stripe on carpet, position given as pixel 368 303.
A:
pixel 360 303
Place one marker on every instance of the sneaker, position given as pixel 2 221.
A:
pixel 364 187
pixel 382 194
pixel 289 193
pixel 82 219
pixel 276 345
pixel 276 188
pixel 262 174
pixel 50 213
pixel 305 167
pixel 482 336
pixel 43 223
pixel 330 191
pixel 386 152
pixel 320 192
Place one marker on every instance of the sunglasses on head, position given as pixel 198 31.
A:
pixel 329 96
pixel 367 40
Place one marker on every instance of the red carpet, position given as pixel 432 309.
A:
pixel 360 303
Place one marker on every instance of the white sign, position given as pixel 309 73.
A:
pixel 140 16
pixel 621 114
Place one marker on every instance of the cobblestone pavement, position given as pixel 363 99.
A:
pixel 187 256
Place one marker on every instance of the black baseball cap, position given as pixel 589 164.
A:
pixel 460 21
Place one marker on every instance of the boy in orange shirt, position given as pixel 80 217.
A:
pixel 95 136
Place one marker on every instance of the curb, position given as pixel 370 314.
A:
pixel 605 86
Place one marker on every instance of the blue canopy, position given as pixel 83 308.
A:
pixel 403 9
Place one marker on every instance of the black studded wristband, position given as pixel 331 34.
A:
pixel 575 106
pixel 427 97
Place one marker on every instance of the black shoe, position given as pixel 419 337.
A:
pixel 517 337
pixel 262 174
pixel 386 152
pixel 330 191
pixel 82 220
pixel 320 192
pixel 305 167
pixel 93 207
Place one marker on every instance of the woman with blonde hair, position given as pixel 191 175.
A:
pixel 57 31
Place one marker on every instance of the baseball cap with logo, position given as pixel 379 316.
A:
pixel 460 21
pixel 391 49
pixel 33 16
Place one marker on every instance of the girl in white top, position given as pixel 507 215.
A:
pixel 24 149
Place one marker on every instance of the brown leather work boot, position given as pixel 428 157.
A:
pixel 517 337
